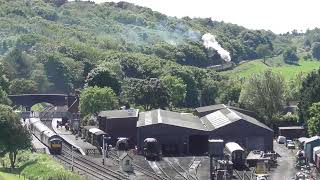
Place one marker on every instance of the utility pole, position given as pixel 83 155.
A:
pixel 103 150
pixel 72 158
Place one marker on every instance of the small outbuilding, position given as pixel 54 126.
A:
pixel 126 162
pixel 120 123
pixel 309 144
pixel 292 132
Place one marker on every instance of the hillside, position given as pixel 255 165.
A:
pixel 53 46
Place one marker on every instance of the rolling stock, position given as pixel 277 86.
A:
pixel 46 135
pixel 151 149
pixel 236 154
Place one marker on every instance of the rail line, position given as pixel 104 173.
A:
pixel 92 165
pixel 144 171
pixel 244 176
pixel 171 164
pixel 84 168
pixel 195 177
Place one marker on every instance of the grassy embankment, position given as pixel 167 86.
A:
pixel 276 64
pixel 36 166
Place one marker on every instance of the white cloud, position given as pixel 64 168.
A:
pixel 276 15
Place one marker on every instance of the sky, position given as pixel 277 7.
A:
pixel 279 16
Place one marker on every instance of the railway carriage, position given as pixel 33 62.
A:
pixel 236 154
pixel 45 135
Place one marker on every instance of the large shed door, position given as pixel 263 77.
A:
pixel 255 143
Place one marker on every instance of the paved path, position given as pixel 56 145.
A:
pixel 286 163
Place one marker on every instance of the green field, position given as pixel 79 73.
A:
pixel 8 176
pixel 246 69
pixel 36 166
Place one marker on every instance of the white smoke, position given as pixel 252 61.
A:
pixel 209 41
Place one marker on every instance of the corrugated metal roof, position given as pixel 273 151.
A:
pixel 210 108
pixel 227 116
pixel 159 116
pixel 94 130
pixel 292 127
pixel 314 138
pixel 232 146
pixel 119 113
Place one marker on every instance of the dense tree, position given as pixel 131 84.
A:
pixel 4 98
pixel 4 81
pixel 209 92
pixel 294 86
pixel 95 99
pixel 264 93
pixel 264 52
pixel 108 75
pixel 316 50
pixel 309 93
pixel 149 93
pixel 17 64
pixel 230 91
pixel 23 86
pixel 176 89
pixel 313 122
pixel 290 55
pixel 14 137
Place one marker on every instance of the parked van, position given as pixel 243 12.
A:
pixel 281 140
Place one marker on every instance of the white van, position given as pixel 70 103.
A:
pixel 281 140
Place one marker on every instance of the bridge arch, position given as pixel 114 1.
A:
pixel 28 100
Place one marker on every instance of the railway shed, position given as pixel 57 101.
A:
pixel 234 126
pixel 309 144
pixel 177 133
pixel 119 123
pixel 205 110
pixel 292 132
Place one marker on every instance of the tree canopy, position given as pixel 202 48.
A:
pixel 14 136
pixel 96 99
pixel 264 93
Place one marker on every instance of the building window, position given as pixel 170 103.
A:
pixel 127 162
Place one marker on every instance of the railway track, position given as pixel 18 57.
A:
pixel 144 171
pixel 83 168
pixel 193 167
pixel 177 168
pixel 242 175
pixel 93 166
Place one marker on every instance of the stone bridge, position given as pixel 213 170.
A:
pixel 28 100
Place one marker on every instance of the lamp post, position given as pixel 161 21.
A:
pixel 72 158
pixel 103 150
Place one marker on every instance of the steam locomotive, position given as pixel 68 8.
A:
pixel 151 149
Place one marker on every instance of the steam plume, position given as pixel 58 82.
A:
pixel 209 41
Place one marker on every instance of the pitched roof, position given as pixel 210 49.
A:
pixel 159 116
pixel 314 138
pixel 113 114
pixel 210 108
pixel 227 116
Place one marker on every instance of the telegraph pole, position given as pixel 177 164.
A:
pixel 72 158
